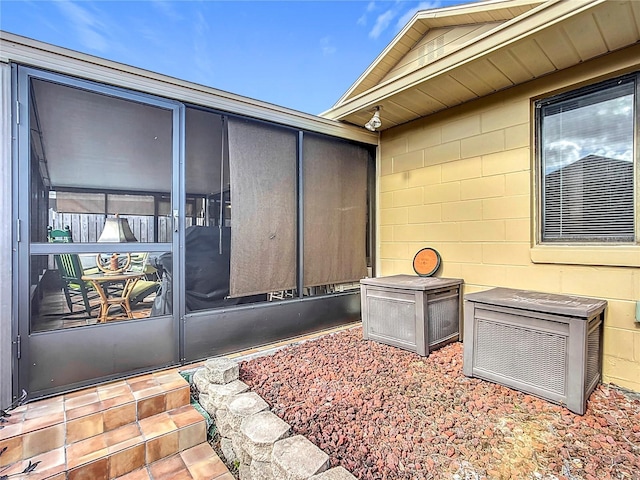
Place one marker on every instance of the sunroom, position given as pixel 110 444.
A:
pixel 159 222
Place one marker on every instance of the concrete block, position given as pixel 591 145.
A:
pixel 442 193
pixel 458 129
pixel 200 380
pixel 221 370
pixel 296 458
pixel 336 473
pixel 244 472
pixel 484 187
pixel 222 423
pixel 241 454
pixel 425 213
pixel 243 405
pixel 219 395
pixel 259 432
pixel 425 176
pixel 483 144
pixel 408 161
pixel 226 445
pixel 405 198
pixel 462 169
pixel 261 470
pixel 442 153
pixel 394 216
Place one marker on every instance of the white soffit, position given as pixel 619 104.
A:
pixel 546 37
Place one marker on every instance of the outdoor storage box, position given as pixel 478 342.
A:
pixel 540 343
pixel 411 312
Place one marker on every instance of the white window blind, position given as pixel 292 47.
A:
pixel 587 164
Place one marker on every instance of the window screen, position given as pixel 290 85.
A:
pixel 587 153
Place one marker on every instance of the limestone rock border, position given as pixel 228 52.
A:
pixel 254 436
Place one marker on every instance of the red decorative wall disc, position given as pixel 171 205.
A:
pixel 426 262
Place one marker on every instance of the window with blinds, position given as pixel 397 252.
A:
pixel 587 155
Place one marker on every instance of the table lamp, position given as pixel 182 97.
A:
pixel 116 230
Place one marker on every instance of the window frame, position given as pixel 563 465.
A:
pixel 597 244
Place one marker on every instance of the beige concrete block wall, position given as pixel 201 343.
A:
pixel 462 181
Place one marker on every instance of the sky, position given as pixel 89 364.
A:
pixel 298 54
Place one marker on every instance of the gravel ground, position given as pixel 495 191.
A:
pixel 384 413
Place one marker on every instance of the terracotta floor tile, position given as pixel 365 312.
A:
pixel 225 476
pixel 127 460
pixel 167 377
pixel 10 430
pixel 86 451
pixel 198 454
pixel 118 416
pixel 157 425
pixel 97 470
pixel 38 423
pixel 43 440
pixel 85 410
pixel 166 469
pixel 79 393
pixel 207 470
pixel 118 400
pixel 113 390
pixel 45 408
pixel 177 398
pixel 150 406
pixel 148 392
pixel 81 400
pixel 137 384
pixel 162 446
pixel 192 435
pixel 174 384
pixel 186 415
pixel 122 434
pixel 51 465
pixel 141 474
pixel 13 451
pixel 85 427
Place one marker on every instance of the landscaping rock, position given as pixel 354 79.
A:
pixel 222 424
pixel 219 395
pixel 244 472
pixel 259 432
pixel 221 370
pixel 241 454
pixel 226 445
pixel 200 380
pixel 261 470
pixel 241 406
pixel 337 473
pixel 296 458
pixel 383 412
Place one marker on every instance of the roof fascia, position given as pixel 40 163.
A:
pixel 422 17
pixel 30 52
pixel 521 27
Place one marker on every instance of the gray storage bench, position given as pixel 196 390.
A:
pixel 415 313
pixel 540 343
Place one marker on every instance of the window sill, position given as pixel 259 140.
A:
pixel 597 255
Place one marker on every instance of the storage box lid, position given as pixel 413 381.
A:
pixel 568 305
pixel 412 282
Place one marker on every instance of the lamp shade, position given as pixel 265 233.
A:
pixel 117 230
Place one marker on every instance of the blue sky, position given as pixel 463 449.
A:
pixel 298 54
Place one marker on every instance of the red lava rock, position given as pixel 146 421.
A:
pixel 385 413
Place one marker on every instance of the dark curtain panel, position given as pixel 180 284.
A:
pixel 262 164
pixel 335 211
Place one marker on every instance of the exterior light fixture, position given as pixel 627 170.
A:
pixel 375 122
